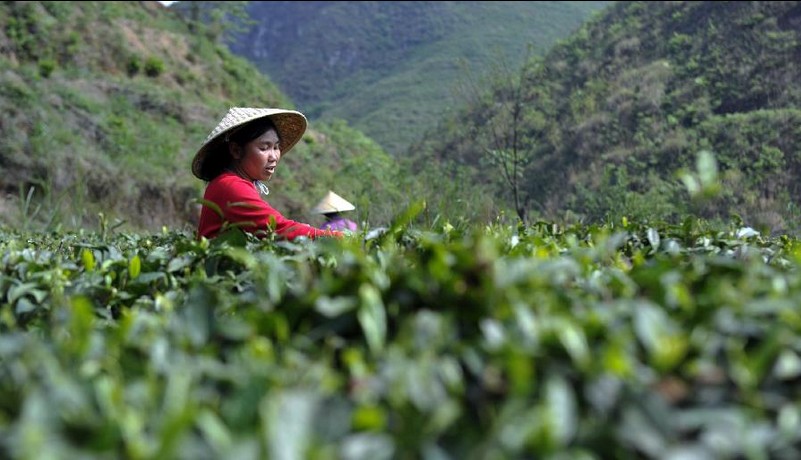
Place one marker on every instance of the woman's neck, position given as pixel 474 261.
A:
pixel 239 172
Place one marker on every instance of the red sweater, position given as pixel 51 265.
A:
pixel 240 201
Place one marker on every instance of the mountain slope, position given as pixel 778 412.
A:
pixel 390 68
pixel 105 103
pixel 610 116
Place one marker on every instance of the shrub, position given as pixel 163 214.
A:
pixel 134 66
pixel 46 67
pixel 154 67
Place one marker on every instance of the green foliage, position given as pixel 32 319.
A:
pixel 134 65
pixel 704 183
pixel 612 199
pixel 627 339
pixel 390 68
pixel 354 166
pixel 218 20
pixel 88 135
pixel 46 67
pixel 153 66
pixel 620 107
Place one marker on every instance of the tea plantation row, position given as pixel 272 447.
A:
pixel 588 342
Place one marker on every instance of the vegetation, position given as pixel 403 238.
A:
pixel 218 20
pixel 621 340
pixel 613 114
pixel 603 125
pixel 655 316
pixel 390 68
pixel 105 103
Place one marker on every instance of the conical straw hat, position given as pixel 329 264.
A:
pixel 333 203
pixel 290 126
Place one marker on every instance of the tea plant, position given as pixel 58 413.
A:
pixel 542 341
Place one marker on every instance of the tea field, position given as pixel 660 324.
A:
pixel 621 340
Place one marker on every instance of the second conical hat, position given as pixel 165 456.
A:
pixel 333 203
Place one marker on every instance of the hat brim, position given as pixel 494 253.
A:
pixel 290 124
pixel 333 203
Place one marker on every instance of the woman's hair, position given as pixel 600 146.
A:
pixel 220 158
pixel 250 131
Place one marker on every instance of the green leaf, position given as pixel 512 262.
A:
pixel 214 430
pixel 653 238
pixel 372 317
pixel 134 267
pixel 563 408
pixel 24 306
pixel 179 263
pixel 213 206
pixel 575 342
pixel 368 418
pixel 333 307
pixel 88 259
pixel 289 418
pixel 707 168
pixel 17 291
pixel 233 236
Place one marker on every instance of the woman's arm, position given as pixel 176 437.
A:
pixel 241 204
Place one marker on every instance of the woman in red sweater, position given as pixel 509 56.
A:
pixel 237 159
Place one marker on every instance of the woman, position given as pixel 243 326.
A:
pixel 331 206
pixel 237 159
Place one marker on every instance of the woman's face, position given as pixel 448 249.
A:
pixel 258 158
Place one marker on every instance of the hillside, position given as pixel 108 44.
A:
pixel 105 103
pixel 390 69
pixel 605 123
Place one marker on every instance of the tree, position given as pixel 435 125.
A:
pixel 220 20
pixel 510 149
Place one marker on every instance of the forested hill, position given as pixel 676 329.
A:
pixel 606 123
pixel 390 68
pixel 105 103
